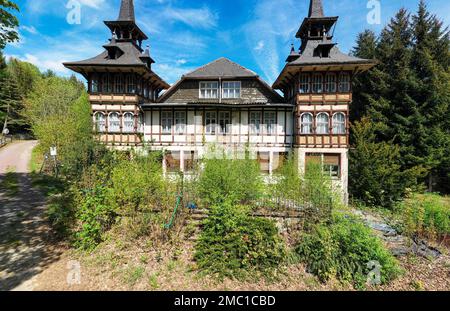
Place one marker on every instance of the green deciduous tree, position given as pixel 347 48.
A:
pixel 8 23
pixel 59 113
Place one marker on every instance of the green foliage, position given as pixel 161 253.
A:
pixel 59 113
pixel 95 215
pixel 375 173
pixel 343 250
pixel 8 23
pixel 236 245
pixel 120 185
pixel 407 95
pixel 425 215
pixel 11 104
pixel 25 74
pixel 237 181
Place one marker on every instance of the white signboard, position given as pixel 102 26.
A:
pixel 53 152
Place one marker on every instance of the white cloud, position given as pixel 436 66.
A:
pixel 30 29
pixel 270 31
pixel 96 4
pixel 181 61
pixel 197 18
pixel 259 46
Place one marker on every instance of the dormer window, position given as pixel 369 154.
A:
pixel 231 90
pixel 209 90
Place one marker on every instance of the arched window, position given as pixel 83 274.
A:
pixel 344 83
pixel 307 123
pixel 100 122
pixel 128 122
pixel 317 85
pixel 118 84
pixel 114 122
pixel 131 84
pixel 330 83
pixel 323 123
pixel 339 123
pixel 106 84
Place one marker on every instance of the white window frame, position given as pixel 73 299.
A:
pixel 305 83
pixel 210 122
pixel 270 122
pixel 339 126
pixel 255 122
pixel 180 122
pixel 330 83
pixel 100 124
pixel 114 125
pixel 225 122
pixel 344 84
pixel 231 92
pixel 317 87
pixel 307 128
pixel 322 127
pixel 208 87
pixel 166 122
pixel 128 125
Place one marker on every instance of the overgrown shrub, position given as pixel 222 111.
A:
pixel 425 215
pixel 236 245
pixel 234 180
pixel 376 176
pixel 343 250
pixel 125 185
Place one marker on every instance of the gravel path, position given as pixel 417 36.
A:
pixel 24 251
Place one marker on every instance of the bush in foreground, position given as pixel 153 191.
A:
pixel 344 250
pixel 234 244
pixel 425 215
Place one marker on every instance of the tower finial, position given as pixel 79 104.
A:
pixel 315 8
pixel 127 11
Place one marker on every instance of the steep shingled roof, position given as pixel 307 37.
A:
pixel 222 67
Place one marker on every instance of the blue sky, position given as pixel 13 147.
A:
pixel 185 34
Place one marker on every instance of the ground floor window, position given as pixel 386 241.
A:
pixel 330 163
pixel 264 161
pixel 279 160
pixel 190 161
pixel 224 122
pixel 172 161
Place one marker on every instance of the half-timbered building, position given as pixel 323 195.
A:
pixel 224 103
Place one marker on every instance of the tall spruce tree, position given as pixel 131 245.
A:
pixel 407 95
pixel 10 105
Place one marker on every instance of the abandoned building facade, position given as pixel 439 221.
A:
pixel 223 103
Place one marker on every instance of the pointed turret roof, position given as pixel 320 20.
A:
pixel 127 11
pixel 318 51
pixel 315 9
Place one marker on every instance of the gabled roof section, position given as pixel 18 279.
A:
pixel 220 68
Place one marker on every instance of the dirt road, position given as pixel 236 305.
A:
pixel 24 251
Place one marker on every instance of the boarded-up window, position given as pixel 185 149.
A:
pixel 330 163
pixel 190 160
pixel 173 161
pixel 264 161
